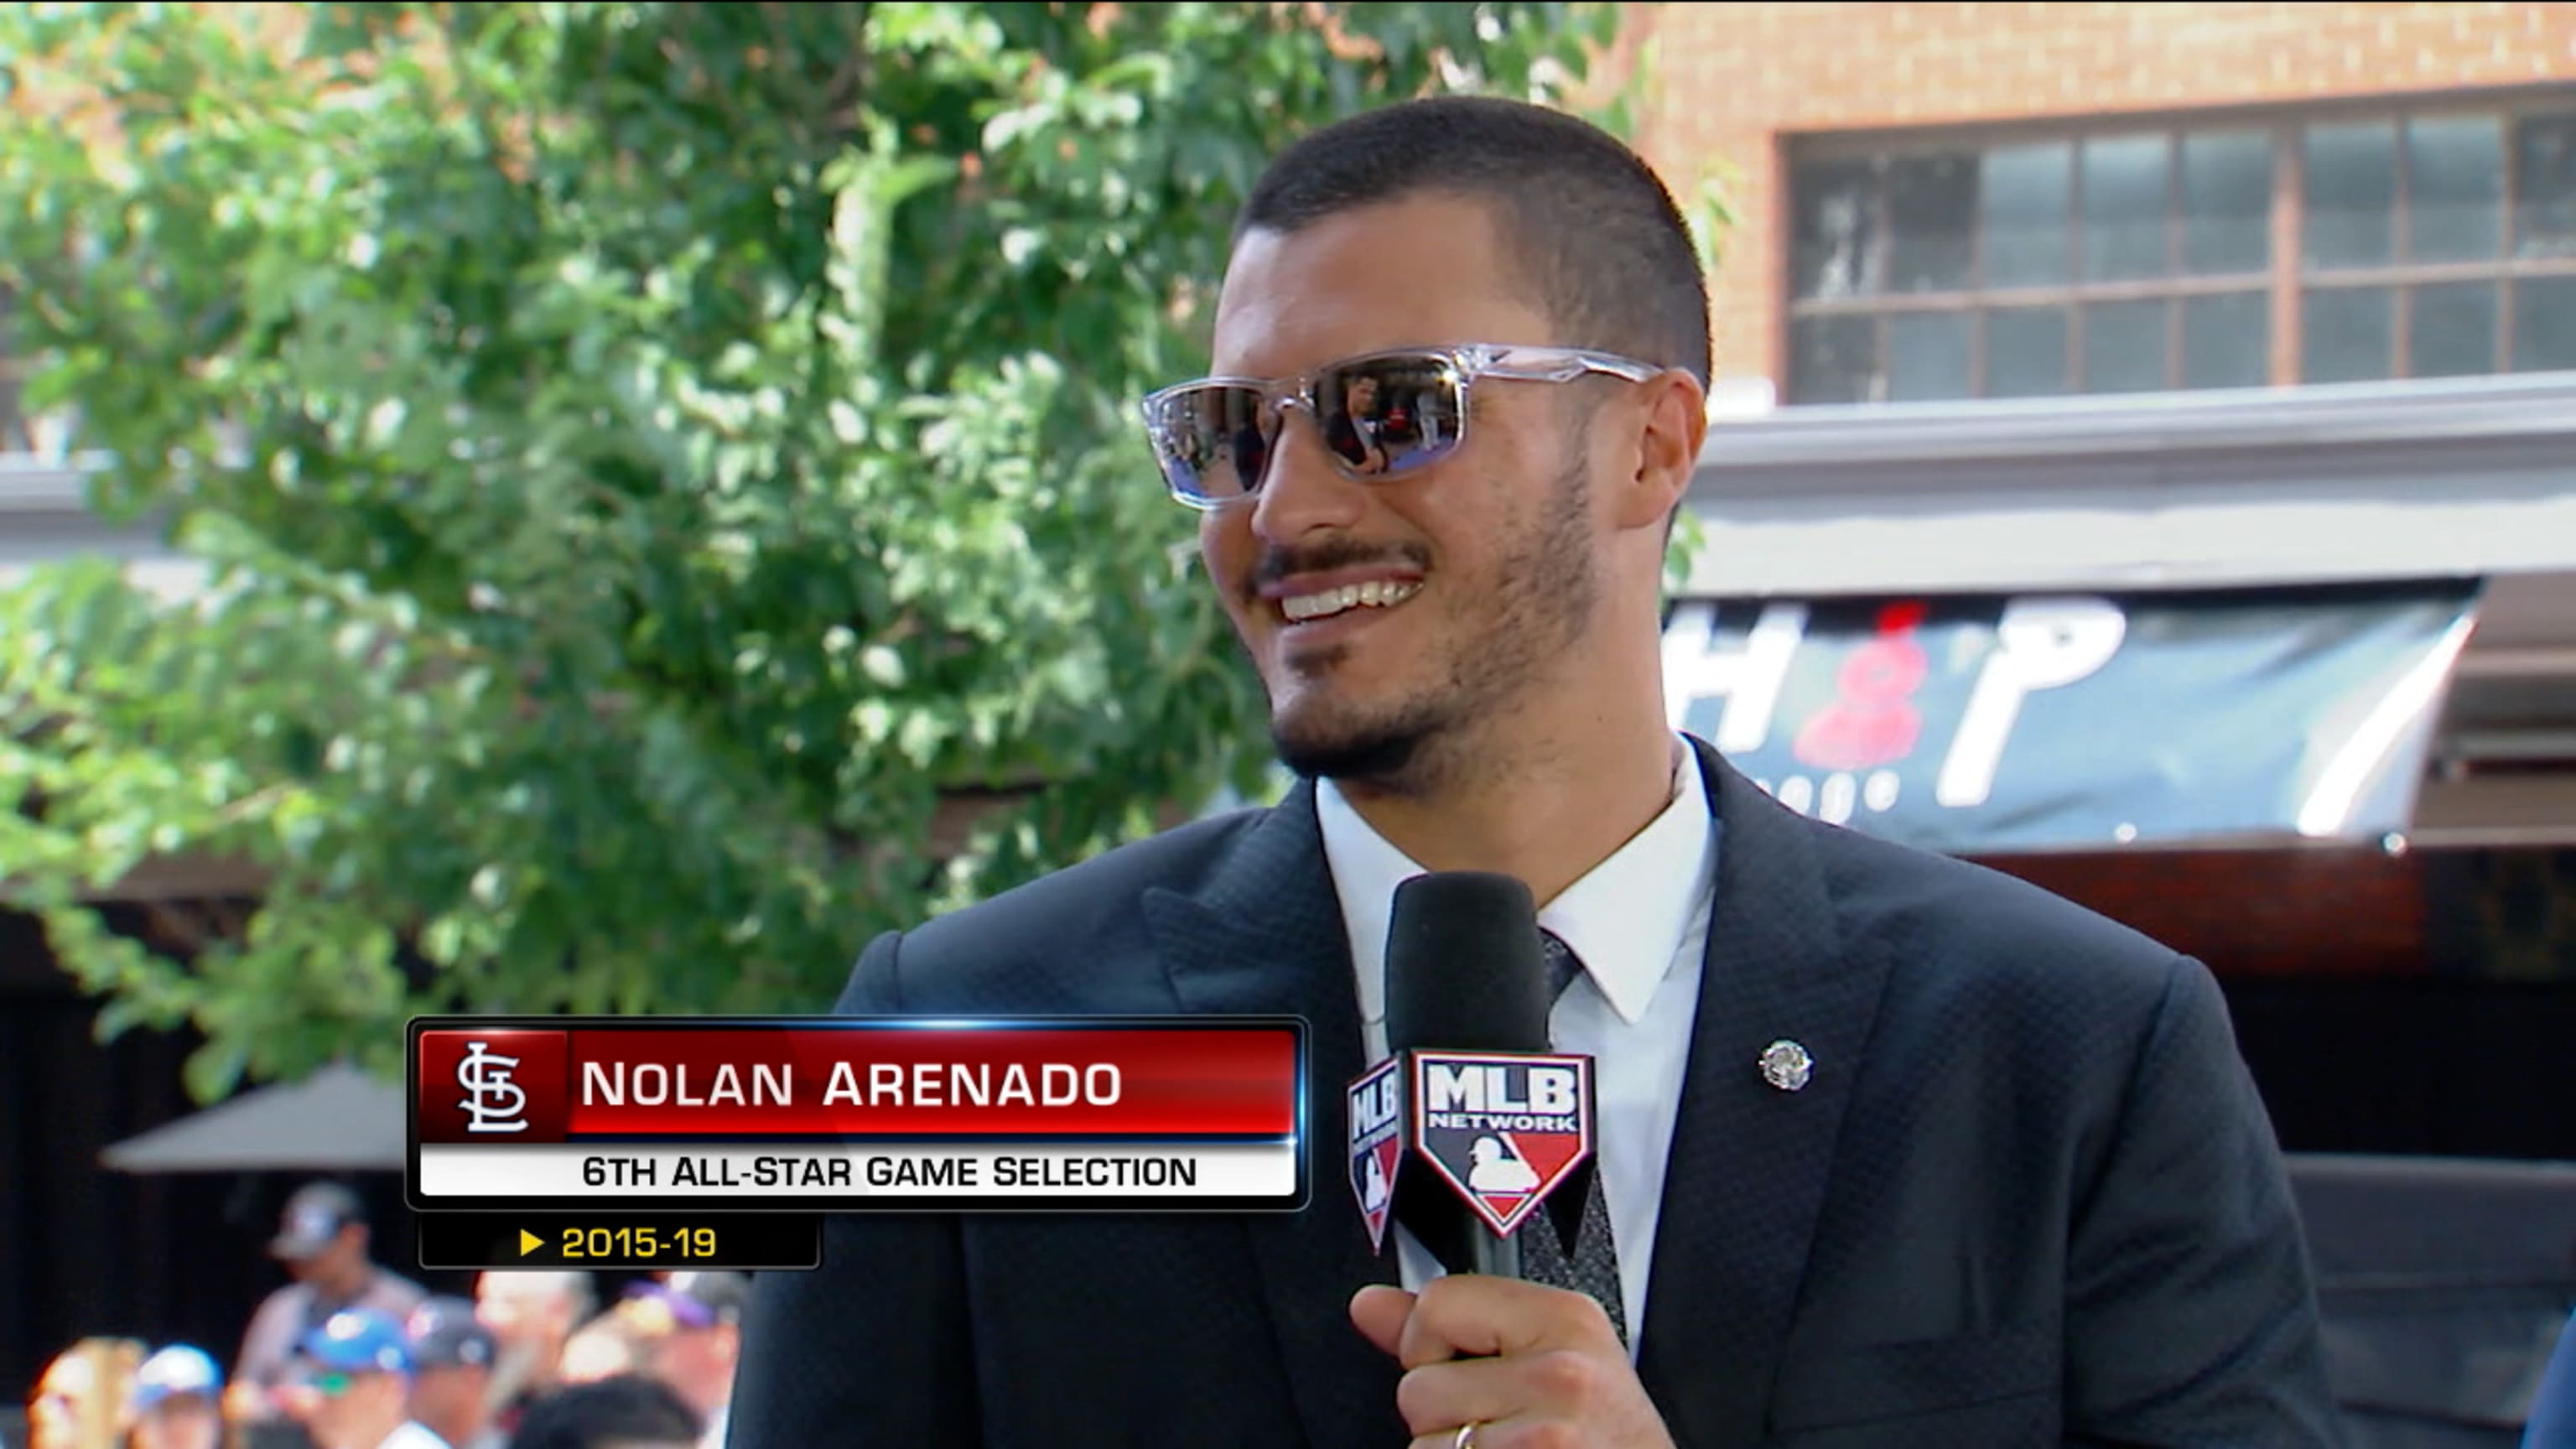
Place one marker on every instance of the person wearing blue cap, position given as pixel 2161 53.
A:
pixel 352 1385
pixel 174 1404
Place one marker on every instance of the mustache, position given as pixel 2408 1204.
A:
pixel 1278 563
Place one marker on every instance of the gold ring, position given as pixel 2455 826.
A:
pixel 1466 1437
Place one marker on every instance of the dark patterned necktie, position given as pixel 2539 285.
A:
pixel 1594 1268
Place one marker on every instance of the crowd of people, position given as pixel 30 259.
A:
pixel 353 1355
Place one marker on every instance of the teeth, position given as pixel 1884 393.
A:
pixel 1375 594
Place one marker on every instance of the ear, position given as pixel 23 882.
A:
pixel 1672 423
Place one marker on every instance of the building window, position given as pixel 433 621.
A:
pixel 2326 246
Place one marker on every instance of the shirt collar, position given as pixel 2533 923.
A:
pixel 1625 919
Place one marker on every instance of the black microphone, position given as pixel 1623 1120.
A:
pixel 1496 1121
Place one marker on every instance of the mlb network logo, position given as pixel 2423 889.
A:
pixel 1504 1129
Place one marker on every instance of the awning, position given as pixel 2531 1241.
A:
pixel 1998 723
pixel 337 1120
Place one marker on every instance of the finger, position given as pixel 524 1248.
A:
pixel 1560 1382
pixel 1379 1312
pixel 1472 1315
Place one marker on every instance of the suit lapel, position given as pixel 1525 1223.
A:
pixel 1749 1162
pixel 1262 933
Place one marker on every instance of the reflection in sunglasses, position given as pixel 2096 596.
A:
pixel 1379 415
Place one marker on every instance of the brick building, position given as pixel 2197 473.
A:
pixel 1741 91
pixel 2234 336
pixel 2190 305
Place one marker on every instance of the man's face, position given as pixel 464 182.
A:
pixel 337 1259
pixel 1492 553
pixel 520 1309
pixel 698 1362
pixel 187 1421
pixel 449 1394
pixel 341 1409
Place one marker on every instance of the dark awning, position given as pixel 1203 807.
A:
pixel 1993 723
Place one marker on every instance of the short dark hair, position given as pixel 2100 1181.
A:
pixel 628 1408
pixel 1590 228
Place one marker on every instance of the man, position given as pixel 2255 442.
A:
pixel 322 1239
pixel 693 1325
pixel 177 1401
pixel 532 1314
pixel 452 1354
pixel 627 1411
pixel 352 1385
pixel 1893 1150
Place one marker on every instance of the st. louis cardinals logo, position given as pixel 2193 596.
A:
pixel 1377 1143
pixel 492 1100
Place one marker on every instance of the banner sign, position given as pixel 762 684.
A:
pixel 1074 1114
pixel 1977 724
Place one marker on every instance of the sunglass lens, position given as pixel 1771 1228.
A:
pixel 1214 441
pixel 1390 414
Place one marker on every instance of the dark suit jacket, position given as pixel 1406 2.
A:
pixel 2029 1196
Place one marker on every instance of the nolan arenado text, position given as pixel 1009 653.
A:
pixel 857 1084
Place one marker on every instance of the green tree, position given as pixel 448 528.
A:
pixel 665 473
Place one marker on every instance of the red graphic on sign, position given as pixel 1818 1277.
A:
pixel 1874 722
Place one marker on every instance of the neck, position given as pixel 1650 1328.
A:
pixel 1546 808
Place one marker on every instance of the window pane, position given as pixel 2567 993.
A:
pixel 2544 323
pixel 2544 187
pixel 2454 188
pixel 2352 194
pixel 2124 346
pixel 1927 356
pixel 2124 207
pixel 2452 330
pixel 2227 201
pixel 2227 340
pixel 1832 359
pixel 2025 351
pixel 2024 201
pixel 2347 333
pixel 1835 229
pixel 1930 200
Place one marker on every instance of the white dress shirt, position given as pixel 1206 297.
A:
pixel 1639 923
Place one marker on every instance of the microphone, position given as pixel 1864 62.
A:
pixel 1494 1121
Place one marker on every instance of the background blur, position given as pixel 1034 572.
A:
pixel 2145 461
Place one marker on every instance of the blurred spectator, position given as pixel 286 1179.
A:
pixel 531 1312
pixel 693 1322
pixel 79 1402
pixel 452 1354
pixel 626 1412
pixel 177 1401
pixel 322 1240
pixel 352 1385
pixel 604 1348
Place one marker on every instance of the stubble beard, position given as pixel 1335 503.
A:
pixel 1544 592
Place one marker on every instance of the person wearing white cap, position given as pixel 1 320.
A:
pixel 174 1404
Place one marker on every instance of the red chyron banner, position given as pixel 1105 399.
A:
pixel 525 1085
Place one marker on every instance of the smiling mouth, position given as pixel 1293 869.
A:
pixel 1375 594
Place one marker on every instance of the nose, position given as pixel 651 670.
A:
pixel 1303 493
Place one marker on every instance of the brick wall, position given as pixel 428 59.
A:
pixel 1730 81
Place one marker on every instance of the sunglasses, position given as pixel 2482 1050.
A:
pixel 1381 415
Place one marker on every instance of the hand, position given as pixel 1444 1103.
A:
pixel 1532 1367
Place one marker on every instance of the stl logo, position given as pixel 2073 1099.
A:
pixel 492 1100
pixel 1377 1144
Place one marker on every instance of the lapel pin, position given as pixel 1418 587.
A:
pixel 1786 1065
